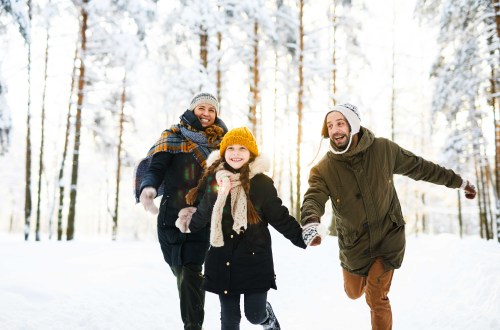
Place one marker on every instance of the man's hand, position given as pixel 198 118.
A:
pixel 184 219
pixel 470 191
pixel 148 194
pixel 313 233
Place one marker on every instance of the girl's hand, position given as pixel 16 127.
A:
pixel 184 219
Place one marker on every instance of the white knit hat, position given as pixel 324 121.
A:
pixel 351 113
pixel 204 97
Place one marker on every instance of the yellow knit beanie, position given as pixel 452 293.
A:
pixel 242 136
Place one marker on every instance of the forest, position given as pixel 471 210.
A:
pixel 87 86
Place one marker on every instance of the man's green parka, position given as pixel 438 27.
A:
pixel 360 186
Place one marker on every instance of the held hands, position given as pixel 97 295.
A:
pixel 313 233
pixel 146 198
pixel 184 219
pixel 470 190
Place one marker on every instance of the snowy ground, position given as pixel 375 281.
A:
pixel 445 283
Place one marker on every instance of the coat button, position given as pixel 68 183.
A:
pixel 225 291
pixel 227 263
pixel 338 200
pixel 232 236
pixel 253 253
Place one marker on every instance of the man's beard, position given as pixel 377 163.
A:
pixel 342 146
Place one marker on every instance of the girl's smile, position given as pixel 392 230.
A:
pixel 236 156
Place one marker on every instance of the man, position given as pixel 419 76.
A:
pixel 357 176
pixel 173 166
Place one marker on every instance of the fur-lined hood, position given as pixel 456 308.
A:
pixel 261 163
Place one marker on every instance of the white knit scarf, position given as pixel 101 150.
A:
pixel 228 182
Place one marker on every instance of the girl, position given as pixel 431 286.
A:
pixel 240 259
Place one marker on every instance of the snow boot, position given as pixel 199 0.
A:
pixel 272 322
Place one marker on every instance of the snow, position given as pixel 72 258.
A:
pixel 444 283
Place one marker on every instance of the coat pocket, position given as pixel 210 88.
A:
pixel 397 220
pixel 347 238
pixel 164 213
pixel 336 198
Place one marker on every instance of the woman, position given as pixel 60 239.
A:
pixel 239 202
pixel 173 166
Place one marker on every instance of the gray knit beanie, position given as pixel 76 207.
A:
pixel 204 98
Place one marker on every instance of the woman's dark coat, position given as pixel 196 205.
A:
pixel 179 172
pixel 245 263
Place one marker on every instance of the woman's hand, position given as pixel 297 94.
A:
pixel 148 194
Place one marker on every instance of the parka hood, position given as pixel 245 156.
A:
pixel 366 140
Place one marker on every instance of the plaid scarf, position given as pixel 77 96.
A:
pixel 180 138
pixel 183 138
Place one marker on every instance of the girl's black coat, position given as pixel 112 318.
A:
pixel 245 263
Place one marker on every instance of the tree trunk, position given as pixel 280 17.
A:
pixel 119 158
pixel 393 74
pixel 275 115
pixel 204 46
pixel 485 206
pixel 65 151
pixel 334 54
pixel 496 120
pixel 460 220
pixel 424 217
pixel 291 155
pixel 42 138
pixel 332 229
pixel 300 104
pixel 27 190
pixel 78 123
pixel 5 123
pixel 254 84
pixel 219 71
pixel 488 182
pixel 482 213
pixel 496 7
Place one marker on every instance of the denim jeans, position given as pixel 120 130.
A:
pixel 255 309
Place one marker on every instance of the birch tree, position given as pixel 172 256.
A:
pixel 465 70
pixel 22 16
pixel 114 51
pixel 42 134
pixel 70 230
pixel 5 120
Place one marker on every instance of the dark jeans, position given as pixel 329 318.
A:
pixel 255 310
pixel 191 295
